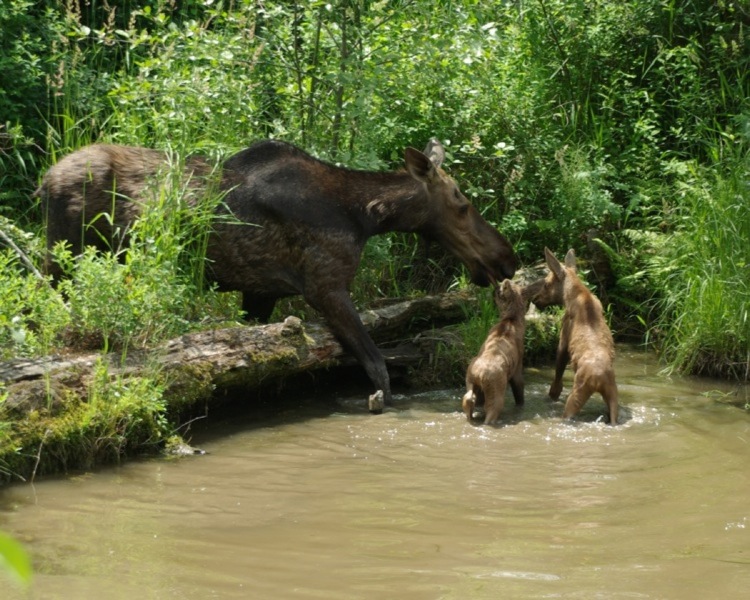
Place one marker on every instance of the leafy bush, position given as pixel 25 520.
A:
pixel 31 313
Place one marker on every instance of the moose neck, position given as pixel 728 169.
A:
pixel 389 201
pixel 579 301
pixel 573 289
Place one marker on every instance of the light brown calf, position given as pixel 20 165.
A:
pixel 585 338
pixel 500 359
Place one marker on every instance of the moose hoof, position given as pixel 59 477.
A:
pixel 375 402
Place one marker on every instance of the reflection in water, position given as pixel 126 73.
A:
pixel 325 501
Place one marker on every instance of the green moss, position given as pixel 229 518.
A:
pixel 120 416
pixel 186 385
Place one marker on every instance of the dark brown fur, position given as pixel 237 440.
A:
pixel 500 359
pixel 104 180
pixel 313 221
pixel 585 338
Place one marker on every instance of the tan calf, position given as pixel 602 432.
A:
pixel 585 338
pixel 500 359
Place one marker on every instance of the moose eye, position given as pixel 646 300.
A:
pixel 463 209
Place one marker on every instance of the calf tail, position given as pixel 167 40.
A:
pixel 468 403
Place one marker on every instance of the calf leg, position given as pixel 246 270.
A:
pixel 494 399
pixel 468 403
pixel 561 361
pixel 610 398
pixel 517 386
pixel 577 398
pixel 473 397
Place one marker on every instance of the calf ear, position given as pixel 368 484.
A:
pixel 435 152
pixel 419 166
pixel 570 259
pixel 554 264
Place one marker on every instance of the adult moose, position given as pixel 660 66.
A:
pixel 312 221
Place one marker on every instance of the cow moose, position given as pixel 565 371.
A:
pixel 500 359
pixel 585 338
pixel 312 221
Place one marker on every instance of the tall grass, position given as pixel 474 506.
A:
pixel 156 288
pixel 705 310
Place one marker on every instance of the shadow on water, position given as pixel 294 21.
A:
pixel 304 397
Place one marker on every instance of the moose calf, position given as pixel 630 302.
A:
pixel 585 338
pixel 500 359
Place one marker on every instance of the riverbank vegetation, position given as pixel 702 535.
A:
pixel 620 129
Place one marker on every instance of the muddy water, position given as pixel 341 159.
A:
pixel 325 501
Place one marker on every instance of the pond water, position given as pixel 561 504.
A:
pixel 321 500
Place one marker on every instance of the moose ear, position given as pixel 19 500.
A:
pixel 419 166
pixel 554 264
pixel 570 259
pixel 435 152
pixel 507 287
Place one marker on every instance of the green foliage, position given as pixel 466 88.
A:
pixel 706 274
pixel 559 117
pixel 122 411
pixel 582 200
pixel 31 313
pixel 24 59
pixel 15 561
pixel 155 289
pixel 121 415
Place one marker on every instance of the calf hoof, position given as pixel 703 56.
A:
pixel 376 402
pixel 467 405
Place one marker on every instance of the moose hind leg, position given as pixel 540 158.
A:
pixel 468 403
pixel 576 399
pixel 517 387
pixel 610 398
pixel 257 307
pixel 493 403
pixel 561 361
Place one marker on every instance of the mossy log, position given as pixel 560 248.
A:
pixel 78 411
pixel 194 365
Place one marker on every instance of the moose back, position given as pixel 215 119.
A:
pixel 310 223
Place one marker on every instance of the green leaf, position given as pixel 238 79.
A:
pixel 14 560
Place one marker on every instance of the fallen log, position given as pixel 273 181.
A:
pixel 79 411
pixel 194 365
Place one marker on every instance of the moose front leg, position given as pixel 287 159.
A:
pixel 342 318
pixel 561 361
pixel 517 386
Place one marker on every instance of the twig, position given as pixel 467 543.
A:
pixel 39 456
pixel 24 259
